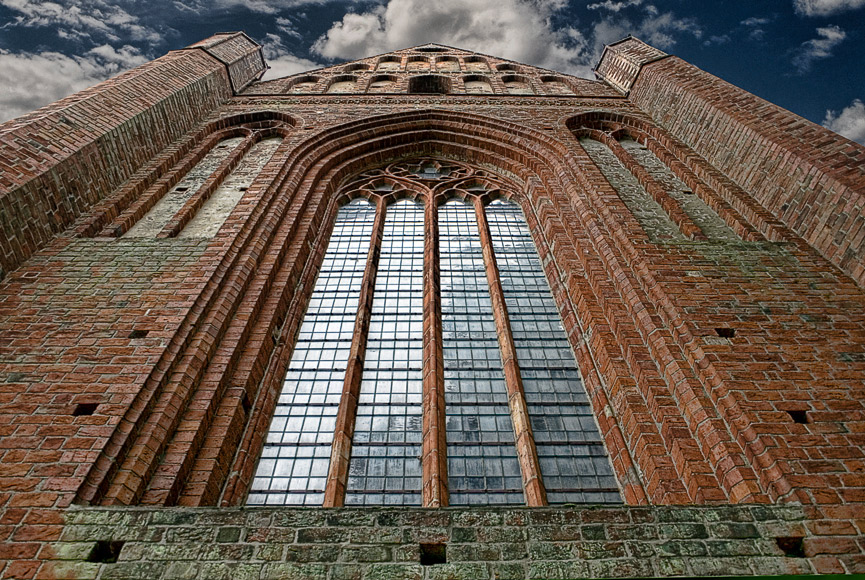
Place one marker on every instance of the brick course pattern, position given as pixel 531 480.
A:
pixel 480 543
pixel 722 351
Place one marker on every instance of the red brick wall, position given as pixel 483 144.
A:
pixel 811 178
pixel 63 158
pixel 688 416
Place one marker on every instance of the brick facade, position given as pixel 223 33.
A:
pixel 704 260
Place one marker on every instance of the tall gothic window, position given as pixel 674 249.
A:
pixel 358 415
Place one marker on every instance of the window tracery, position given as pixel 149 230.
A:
pixel 513 413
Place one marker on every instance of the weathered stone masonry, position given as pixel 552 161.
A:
pixel 719 330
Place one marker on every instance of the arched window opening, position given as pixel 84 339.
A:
pixel 447 64
pixel 382 84
pixel 173 201
pixel 388 63
pixel 517 85
pixel 556 86
pixel 343 84
pixel 483 467
pixel 296 455
pixel 571 454
pixel 417 63
pixel 358 66
pixel 220 204
pixel 476 63
pixel 351 430
pixel 385 465
pixel 477 84
pixel 303 85
pixel 429 84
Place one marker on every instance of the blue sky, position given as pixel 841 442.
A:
pixel 805 55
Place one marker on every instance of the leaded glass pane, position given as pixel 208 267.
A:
pixel 573 461
pixel 482 462
pixel 385 464
pixel 296 456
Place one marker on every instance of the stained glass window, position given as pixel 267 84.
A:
pixel 296 455
pixel 482 405
pixel 385 462
pixel 482 461
pixel 571 454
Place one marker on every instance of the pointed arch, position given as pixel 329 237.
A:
pixel 560 208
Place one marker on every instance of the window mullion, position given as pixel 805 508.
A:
pixel 525 443
pixel 337 477
pixel 434 454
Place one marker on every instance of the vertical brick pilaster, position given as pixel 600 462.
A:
pixel 533 486
pixel 334 494
pixel 653 188
pixel 194 203
pixel 434 454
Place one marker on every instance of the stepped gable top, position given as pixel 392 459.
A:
pixel 432 69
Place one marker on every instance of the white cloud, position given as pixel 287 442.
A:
pixel 659 30
pixel 31 80
pixel 281 61
pixel 265 6
pixel 614 5
pixel 754 25
pixel 124 57
pixel 850 122
pixel 514 29
pixel 82 18
pixel 818 48
pixel 755 21
pixel 825 7
pixel 519 30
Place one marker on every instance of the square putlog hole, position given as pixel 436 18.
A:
pixel 105 552
pixel 798 416
pixel 725 332
pixel 138 333
pixel 432 554
pixel 82 409
pixel 792 546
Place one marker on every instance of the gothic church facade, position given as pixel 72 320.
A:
pixel 429 314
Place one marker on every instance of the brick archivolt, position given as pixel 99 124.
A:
pixel 230 353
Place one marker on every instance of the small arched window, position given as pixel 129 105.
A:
pixel 447 64
pixel 554 85
pixel 388 63
pixel 476 63
pixel 343 84
pixel 430 84
pixel 304 84
pixel 417 63
pixel 477 84
pixel 517 85
pixel 382 84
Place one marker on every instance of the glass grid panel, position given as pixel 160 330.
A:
pixel 385 464
pixel 482 461
pixel 573 461
pixel 296 456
